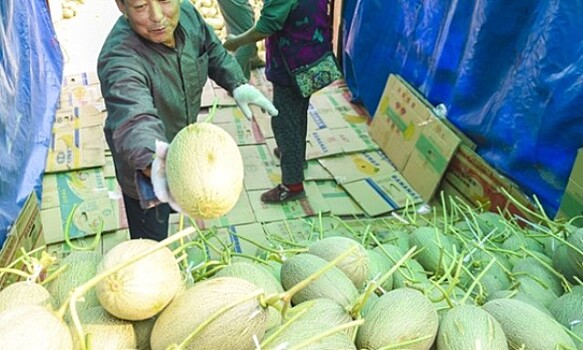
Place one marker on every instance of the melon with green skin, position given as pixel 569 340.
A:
pixel 33 327
pixel 333 284
pixel 308 335
pixel 260 277
pixel 568 309
pixel 532 267
pixel 143 288
pixel 24 293
pixel 325 311
pixel 355 265
pixel 575 256
pixel 379 265
pixel 224 308
pixel 79 267
pixel 204 170
pixel 436 250
pixel 468 327
pixel 402 319
pixel 105 330
pixel 526 327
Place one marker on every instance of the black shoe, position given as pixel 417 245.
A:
pixel 281 194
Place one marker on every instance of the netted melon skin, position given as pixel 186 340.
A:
pixel 204 170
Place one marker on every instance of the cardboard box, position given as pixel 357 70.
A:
pixel 572 200
pixel 82 199
pixel 78 117
pixel 382 194
pixel 25 234
pixel 76 148
pixel 473 178
pixel 415 140
pixel 357 166
pixel 242 213
pixel 339 201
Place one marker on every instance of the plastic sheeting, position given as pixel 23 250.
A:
pixel 509 72
pixel 31 69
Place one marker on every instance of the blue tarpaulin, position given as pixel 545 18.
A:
pixel 509 72
pixel 31 69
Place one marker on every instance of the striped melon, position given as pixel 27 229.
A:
pixel 143 288
pixel 468 327
pixel 307 335
pixel 402 316
pixel 526 327
pixel 260 277
pixel 333 284
pixel 234 317
pixel 355 265
pixel 204 170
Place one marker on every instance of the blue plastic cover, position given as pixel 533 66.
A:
pixel 509 72
pixel 31 69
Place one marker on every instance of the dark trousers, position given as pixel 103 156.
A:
pixel 147 223
pixel 290 128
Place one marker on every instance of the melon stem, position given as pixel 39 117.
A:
pixel 359 303
pixel 79 291
pixel 405 343
pixel 95 241
pixel 477 279
pixel 216 315
pixel 283 327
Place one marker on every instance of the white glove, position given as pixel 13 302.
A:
pixel 246 94
pixel 158 176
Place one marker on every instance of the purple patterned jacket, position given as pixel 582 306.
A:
pixel 305 37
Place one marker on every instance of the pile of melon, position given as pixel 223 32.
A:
pixel 458 281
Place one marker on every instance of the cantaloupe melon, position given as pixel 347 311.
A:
pixel 436 249
pixel 301 332
pixel 33 327
pixel 327 312
pixel 24 293
pixel 379 265
pixel 568 309
pixel 81 266
pixel 234 328
pixel 333 284
pixel 401 316
pixel 355 265
pixel 204 170
pixel 143 288
pixel 527 327
pixel 260 277
pixel 468 327
pixel 105 330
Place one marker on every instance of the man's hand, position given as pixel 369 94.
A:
pixel 246 94
pixel 158 176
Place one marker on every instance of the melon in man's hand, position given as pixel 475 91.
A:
pixel 204 170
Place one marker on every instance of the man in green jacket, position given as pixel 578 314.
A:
pixel 152 68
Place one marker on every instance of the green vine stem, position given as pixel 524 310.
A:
pixel 68 224
pixel 403 344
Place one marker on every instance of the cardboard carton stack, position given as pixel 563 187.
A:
pixel 80 194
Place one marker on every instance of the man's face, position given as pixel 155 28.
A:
pixel 154 20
